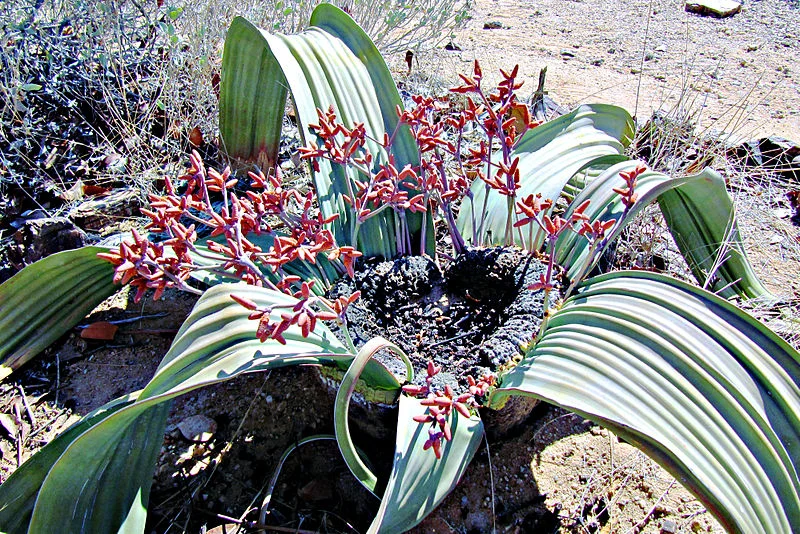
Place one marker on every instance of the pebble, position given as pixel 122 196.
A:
pixel 198 428
pixel 478 522
pixel 716 8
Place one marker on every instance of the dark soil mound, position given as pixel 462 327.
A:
pixel 470 319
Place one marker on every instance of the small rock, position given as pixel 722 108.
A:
pixel 669 527
pixel 97 213
pixel 29 215
pixel 597 62
pixel 567 53
pixel 198 428
pixel 782 213
pixel 38 238
pixel 317 490
pixel 100 330
pixel 774 153
pixel 115 163
pixel 493 25
pixel 714 8
pixel 478 522
pixel 453 47
pixel 196 469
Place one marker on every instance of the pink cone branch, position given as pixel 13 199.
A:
pixel 440 405
pixel 149 265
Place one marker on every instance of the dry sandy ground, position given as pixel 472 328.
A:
pixel 738 74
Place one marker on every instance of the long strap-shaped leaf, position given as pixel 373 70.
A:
pixel 332 63
pixel 550 155
pixel 701 217
pixel 101 483
pixel 341 408
pixel 47 298
pixel 18 493
pixel 88 488
pixel 419 481
pixel 699 213
pixel 702 387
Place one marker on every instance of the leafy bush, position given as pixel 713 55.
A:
pixel 393 26
pixel 81 82
pixel 102 92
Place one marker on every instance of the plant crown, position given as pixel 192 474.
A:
pixel 297 231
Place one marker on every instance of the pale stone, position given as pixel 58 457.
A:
pixel 716 8
pixel 198 428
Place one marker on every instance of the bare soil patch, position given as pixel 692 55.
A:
pixel 739 73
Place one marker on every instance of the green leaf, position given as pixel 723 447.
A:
pixel 419 481
pixel 18 493
pixel 102 480
pixel 30 87
pixel 706 390
pixel 701 217
pixel 550 155
pixel 103 476
pixel 174 12
pixel 342 406
pixel 252 96
pixel 699 213
pixel 47 298
pixel 332 63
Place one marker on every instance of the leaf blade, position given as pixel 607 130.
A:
pixel 18 493
pixel 47 298
pixel 216 343
pixel 252 96
pixel 550 155
pixel 703 234
pixel 419 481
pixel 708 391
pixel 333 63
pixel 701 217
